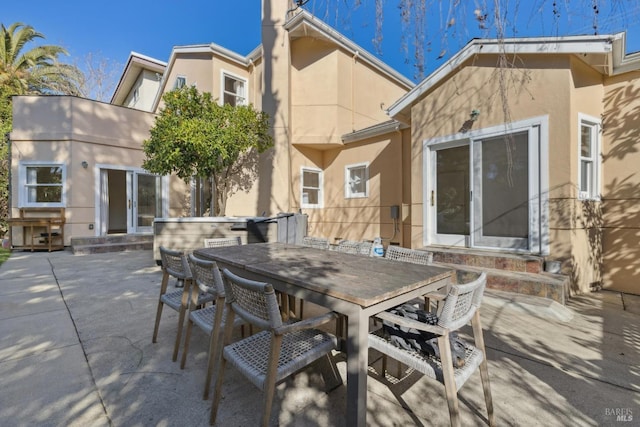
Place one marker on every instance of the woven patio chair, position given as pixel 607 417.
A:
pixel 206 280
pixel 315 242
pixel 398 253
pixel 278 351
pixel 353 247
pixel 460 307
pixel 174 264
pixel 311 242
pixel 222 241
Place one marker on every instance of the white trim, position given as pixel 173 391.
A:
pixel 224 73
pixel 97 190
pixel 320 173
pixel 347 176
pixel 178 78
pixel 595 124
pixel 540 243
pixel 374 131
pixel 23 196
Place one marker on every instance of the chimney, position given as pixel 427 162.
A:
pixel 276 100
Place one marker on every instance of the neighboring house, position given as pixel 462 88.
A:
pixel 140 83
pixel 543 165
pixel 537 156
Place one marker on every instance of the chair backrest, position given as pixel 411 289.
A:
pixel 398 253
pixel 175 263
pixel 206 275
pixel 315 242
pixel 222 241
pixel 461 303
pixel 255 302
pixel 353 247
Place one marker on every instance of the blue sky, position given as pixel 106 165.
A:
pixel 112 29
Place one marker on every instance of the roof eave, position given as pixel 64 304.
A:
pixel 373 131
pixel 304 18
pixel 598 44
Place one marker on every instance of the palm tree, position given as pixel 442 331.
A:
pixel 35 71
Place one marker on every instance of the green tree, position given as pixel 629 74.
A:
pixel 194 136
pixel 27 72
pixel 37 70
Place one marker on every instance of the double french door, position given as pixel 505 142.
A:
pixel 129 200
pixel 484 191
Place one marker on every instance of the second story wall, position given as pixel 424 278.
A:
pixel 334 93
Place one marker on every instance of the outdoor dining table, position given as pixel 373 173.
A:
pixel 354 285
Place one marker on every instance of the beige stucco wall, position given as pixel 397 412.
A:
pixel 334 93
pixel 147 85
pixel 357 218
pixel 69 130
pixel 558 87
pixel 621 183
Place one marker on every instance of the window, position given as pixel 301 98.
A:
pixel 233 90
pixel 589 178
pixel 42 185
pixel 356 179
pixel 181 82
pixel 311 196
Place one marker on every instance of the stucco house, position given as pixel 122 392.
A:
pixel 532 151
pixel 524 155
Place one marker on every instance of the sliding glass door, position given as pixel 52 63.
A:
pixel 484 192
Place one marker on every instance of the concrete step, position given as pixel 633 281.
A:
pixel 489 259
pixel 111 243
pixel 546 285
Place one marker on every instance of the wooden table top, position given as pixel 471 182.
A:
pixel 354 278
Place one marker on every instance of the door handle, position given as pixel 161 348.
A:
pixel 129 202
pixel 432 197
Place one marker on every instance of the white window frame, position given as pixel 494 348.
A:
pixel 179 79
pixel 348 194
pixel 593 190
pixel 429 146
pixel 240 100
pixel 319 189
pixel 23 194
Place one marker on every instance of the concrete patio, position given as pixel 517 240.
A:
pixel 75 350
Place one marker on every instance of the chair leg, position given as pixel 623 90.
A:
pixel 449 380
pixel 484 370
pixel 158 315
pixel 163 288
pixel 270 380
pixel 187 339
pixel 220 366
pixel 176 346
pixel 217 391
pixel 215 340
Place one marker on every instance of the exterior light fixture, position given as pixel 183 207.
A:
pixel 84 164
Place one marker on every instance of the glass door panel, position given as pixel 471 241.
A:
pixel 501 191
pixel 450 201
pixel 148 202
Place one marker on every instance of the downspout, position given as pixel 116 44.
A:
pixel 353 90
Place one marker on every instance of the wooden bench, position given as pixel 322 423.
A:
pixel 45 225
